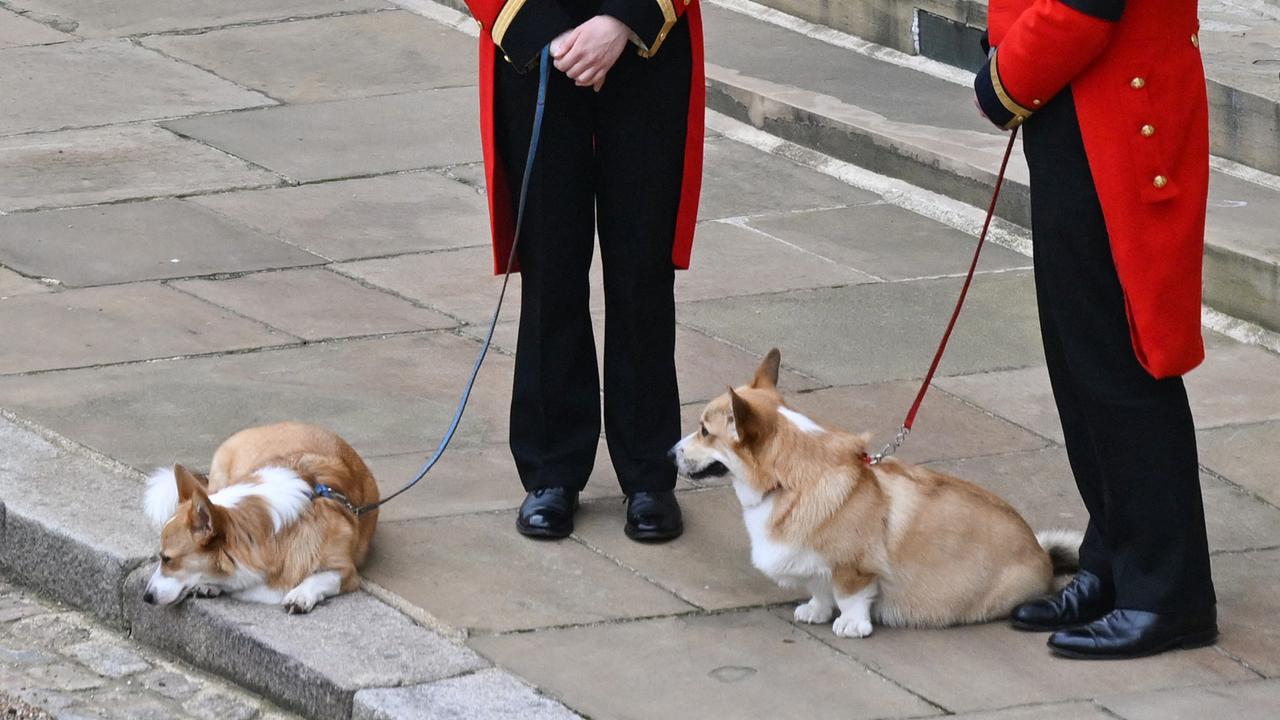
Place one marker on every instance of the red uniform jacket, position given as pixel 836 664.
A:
pixel 1135 72
pixel 520 28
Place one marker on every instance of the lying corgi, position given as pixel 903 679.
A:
pixel 892 542
pixel 273 523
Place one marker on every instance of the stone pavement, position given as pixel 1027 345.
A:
pixel 223 214
pixel 70 665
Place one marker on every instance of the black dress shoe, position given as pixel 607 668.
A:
pixel 1082 601
pixel 653 516
pixel 547 513
pixel 1125 634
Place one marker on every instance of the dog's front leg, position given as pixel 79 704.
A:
pixel 822 604
pixel 854 594
pixel 311 591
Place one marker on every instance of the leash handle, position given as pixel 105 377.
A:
pixel 955 315
pixel 543 75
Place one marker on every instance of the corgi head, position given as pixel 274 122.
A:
pixel 206 540
pixel 733 431
pixel 750 435
pixel 191 539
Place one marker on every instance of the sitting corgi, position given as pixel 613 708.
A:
pixel 890 542
pixel 274 522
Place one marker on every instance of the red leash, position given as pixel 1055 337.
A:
pixel 955 314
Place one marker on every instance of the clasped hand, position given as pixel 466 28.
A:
pixel 587 52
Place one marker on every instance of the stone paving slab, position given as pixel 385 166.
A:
pixel 731 665
pixel 1040 486
pixel 882 331
pixel 945 427
pixel 45 484
pixel 486 695
pixel 731 260
pixel 347 138
pixel 970 668
pixel 1247 454
pixel 458 283
pixel 313 663
pixel 747 183
pixel 1257 700
pixel 12 285
pixel 118 324
pixel 371 217
pixel 83 167
pixel 92 18
pixel 1236 384
pixel 384 396
pixel 17 31
pixel 329 58
pixel 709 566
pixel 1247 608
pixel 316 304
pixel 439 564
pixel 469 480
pixel 888 242
pixel 101 82
pixel 129 242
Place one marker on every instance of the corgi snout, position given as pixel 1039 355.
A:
pixel 162 590
pixel 695 468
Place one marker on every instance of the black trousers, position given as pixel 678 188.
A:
pixel 618 154
pixel 1130 438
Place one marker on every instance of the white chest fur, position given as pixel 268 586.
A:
pixel 785 564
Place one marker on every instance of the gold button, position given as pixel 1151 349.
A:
pixel 1160 181
pixel 1195 39
pixel 1036 103
pixel 481 24
pixel 686 2
pixel 1148 131
pixel 1137 83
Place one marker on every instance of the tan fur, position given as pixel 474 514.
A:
pixel 218 540
pixel 943 551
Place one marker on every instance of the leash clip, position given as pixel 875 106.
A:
pixel 891 447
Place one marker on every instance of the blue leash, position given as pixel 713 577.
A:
pixel 543 73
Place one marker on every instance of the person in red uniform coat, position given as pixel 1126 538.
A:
pixel 1111 98
pixel 620 155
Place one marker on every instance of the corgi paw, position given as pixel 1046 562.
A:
pixel 850 627
pixel 300 601
pixel 206 591
pixel 812 612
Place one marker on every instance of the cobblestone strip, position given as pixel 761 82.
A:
pixel 70 666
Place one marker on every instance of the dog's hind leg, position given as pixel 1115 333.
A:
pixel 311 591
pixel 854 594
pixel 821 606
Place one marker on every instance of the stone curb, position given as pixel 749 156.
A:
pixel 71 527
pixel 1243 282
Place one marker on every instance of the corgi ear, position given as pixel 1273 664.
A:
pixel 748 423
pixel 187 482
pixel 766 377
pixel 204 518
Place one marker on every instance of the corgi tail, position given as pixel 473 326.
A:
pixel 161 498
pixel 1063 547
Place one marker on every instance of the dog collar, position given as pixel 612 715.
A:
pixel 324 491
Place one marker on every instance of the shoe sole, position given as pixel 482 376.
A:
pixel 1188 642
pixel 1028 627
pixel 652 536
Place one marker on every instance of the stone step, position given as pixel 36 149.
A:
pixel 913 119
pixel 1239 39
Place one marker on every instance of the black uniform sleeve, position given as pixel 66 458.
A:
pixel 524 27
